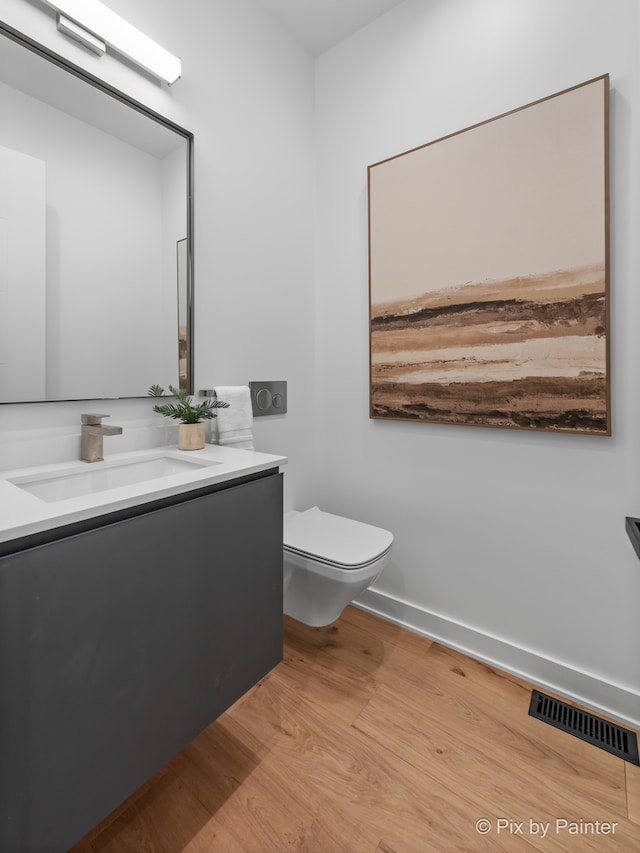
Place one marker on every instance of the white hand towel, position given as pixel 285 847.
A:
pixel 235 424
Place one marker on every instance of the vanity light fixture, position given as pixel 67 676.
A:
pixel 74 31
pixel 93 24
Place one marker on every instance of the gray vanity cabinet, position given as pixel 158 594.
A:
pixel 120 641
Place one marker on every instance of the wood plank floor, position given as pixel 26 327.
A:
pixel 370 739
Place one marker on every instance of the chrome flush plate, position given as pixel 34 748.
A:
pixel 268 398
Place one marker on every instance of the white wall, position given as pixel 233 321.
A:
pixel 22 274
pixel 509 544
pixel 174 228
pixel 89 280
pixel 247 95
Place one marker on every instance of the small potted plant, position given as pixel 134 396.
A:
pixel 191 415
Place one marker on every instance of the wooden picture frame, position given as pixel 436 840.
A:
pixel 489 272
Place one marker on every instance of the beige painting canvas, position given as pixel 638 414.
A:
pixel 488 271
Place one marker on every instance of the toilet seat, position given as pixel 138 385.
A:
pixel 334 541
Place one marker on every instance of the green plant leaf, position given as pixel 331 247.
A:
pixel 185 409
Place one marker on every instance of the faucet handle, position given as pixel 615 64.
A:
pixel 93 420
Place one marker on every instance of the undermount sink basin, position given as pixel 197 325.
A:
pixel 101 476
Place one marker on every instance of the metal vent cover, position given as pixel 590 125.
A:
pixel 587 727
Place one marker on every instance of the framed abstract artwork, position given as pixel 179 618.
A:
pixel 489 272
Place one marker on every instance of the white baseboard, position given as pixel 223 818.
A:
pixel 610 700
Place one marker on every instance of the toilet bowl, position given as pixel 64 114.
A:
pixel 328 561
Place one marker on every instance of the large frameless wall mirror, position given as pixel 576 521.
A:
pixel 96 280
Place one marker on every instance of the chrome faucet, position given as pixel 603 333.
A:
pixel 91 437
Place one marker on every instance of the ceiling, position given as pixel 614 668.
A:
pixel 320 24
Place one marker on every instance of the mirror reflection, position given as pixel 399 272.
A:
pixel 95 270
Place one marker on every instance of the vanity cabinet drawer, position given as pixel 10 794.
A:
pixel 119 644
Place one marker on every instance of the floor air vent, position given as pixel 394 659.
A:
pixel 608 736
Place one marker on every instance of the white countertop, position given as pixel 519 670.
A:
pixel 22 513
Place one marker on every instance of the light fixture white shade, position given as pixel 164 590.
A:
pixel 121 36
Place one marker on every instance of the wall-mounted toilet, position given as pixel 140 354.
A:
pixel 328 561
